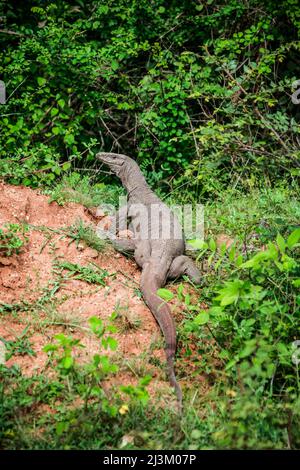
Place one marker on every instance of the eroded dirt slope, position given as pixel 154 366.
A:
pixel 51 301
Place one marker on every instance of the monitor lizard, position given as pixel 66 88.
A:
pixel 158 245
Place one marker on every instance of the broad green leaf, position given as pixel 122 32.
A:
pixel 67 362
pixel 197 244
pixel 41 81
pixel 165 294
pixel 296 282
pixel 293 238
pixel 69 139
pixel 248 349
pixel 280 242
pixel 61 427
pixel 50 347
pixel 239 261
pixel 230 293
pixel 54 112
pixel 66 166
pixel 212 244
pixel 231 364
pixel 144 381
pixel 61 103
pixel 112 343
pixel 55 130
pixel 202 318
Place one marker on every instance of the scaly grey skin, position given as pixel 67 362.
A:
pixel 159 254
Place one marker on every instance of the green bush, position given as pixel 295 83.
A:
pixel 254 320
pixel 190 89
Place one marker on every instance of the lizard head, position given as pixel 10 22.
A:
pixel 124 167
pixel 116 162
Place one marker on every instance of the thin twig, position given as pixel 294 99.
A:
pixel 8 31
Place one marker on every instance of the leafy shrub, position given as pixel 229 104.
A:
pixel 247 340
pixel 199 94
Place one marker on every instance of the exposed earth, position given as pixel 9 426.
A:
pixel 51 301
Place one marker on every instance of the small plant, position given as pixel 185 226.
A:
pixel 21 346
pixel 79 232
pixel 12 239
pixel 139 393
pixel 91 274
pixel 62 352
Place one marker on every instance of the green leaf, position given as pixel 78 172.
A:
pixel 197 244
pixel 61 338
pixel 112 343
pixel 61 103
pixel 296 283
pixel 212 244
pixel 61 427
pixel 144 381
pixel 69 139
pixel 54 112
pixel 293 238
pixel 280 242
pixel 180 291
pixel 248 349
pixel 239 261
pixel 41 81
pixel 196 434
pixel 67 362
pixel 55 130
pixel 96 325
pixel 201 318
pixel 114 65
pixel 230 293
pixel 66 166
pixel 230 364
pixel 50 347
pixel 165 294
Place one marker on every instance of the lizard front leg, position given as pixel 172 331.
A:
pixel 118 223
pixel 184 265
pixel 142 252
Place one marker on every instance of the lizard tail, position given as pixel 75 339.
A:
pixel 161 311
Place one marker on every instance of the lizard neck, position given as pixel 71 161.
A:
pixel 139 193
pixel 134 182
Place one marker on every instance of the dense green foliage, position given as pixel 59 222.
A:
pixel 199 93
pixel 189 88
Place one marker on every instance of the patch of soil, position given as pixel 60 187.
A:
pixel 47 308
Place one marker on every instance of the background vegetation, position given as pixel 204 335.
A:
pixel 199 92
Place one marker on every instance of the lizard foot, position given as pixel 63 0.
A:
pixel 184 265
